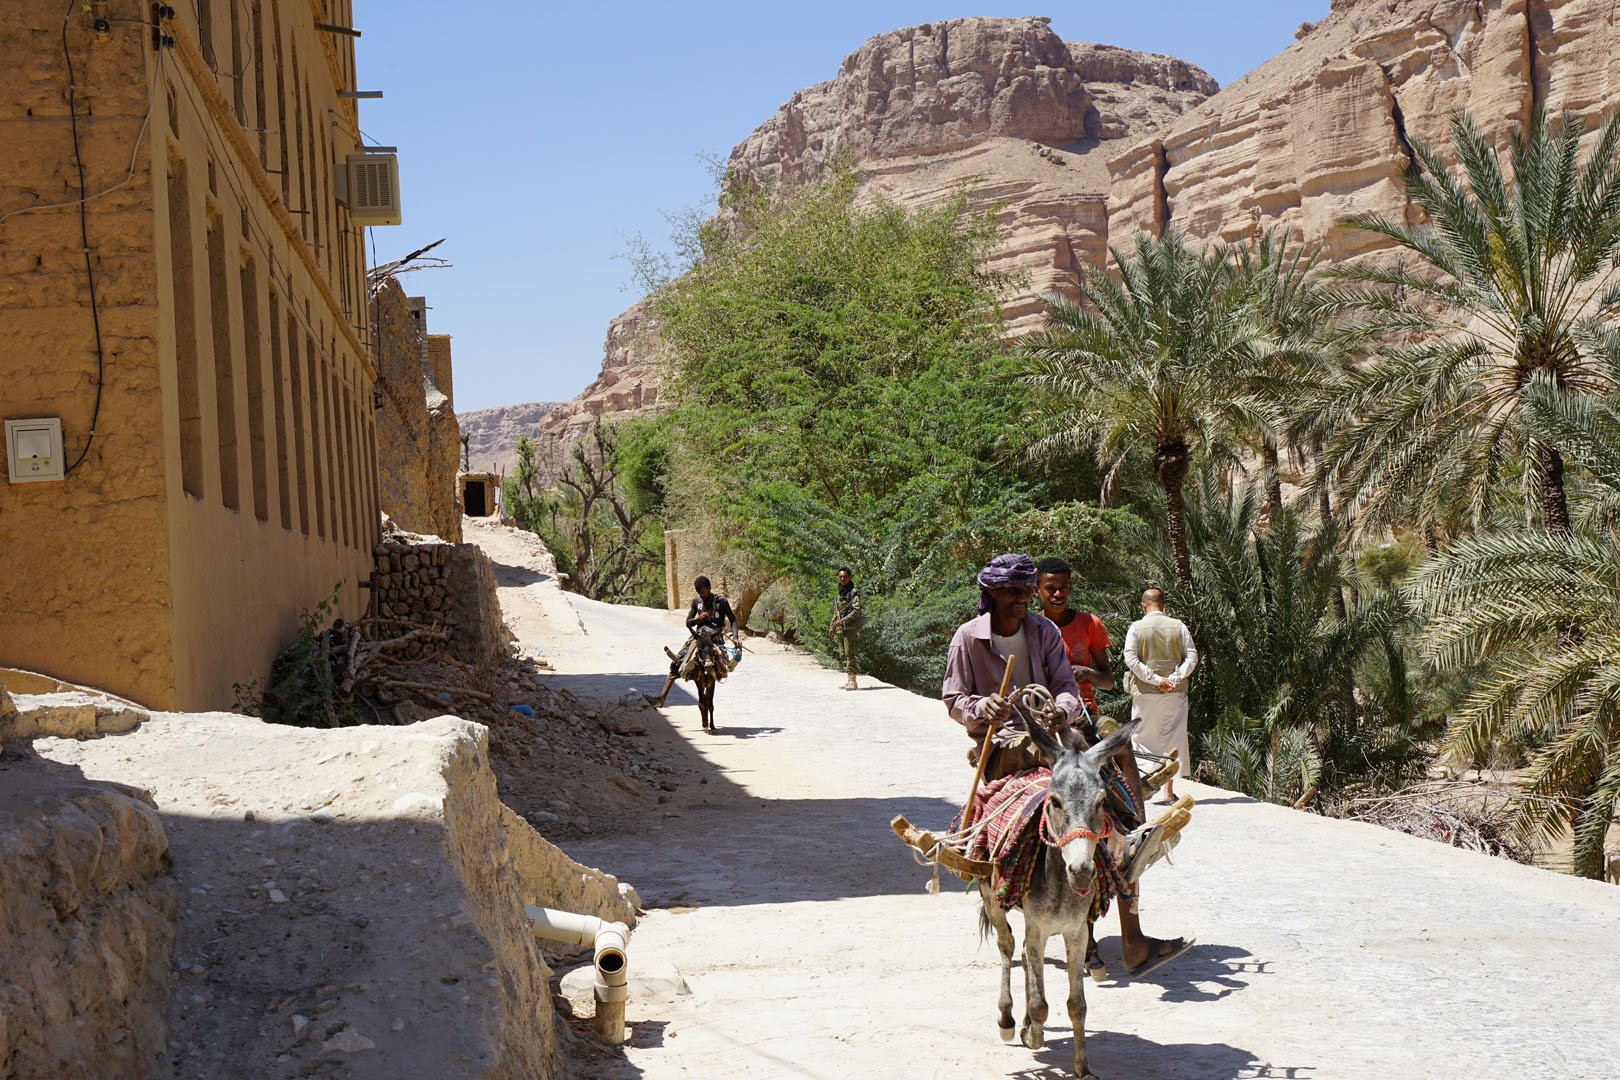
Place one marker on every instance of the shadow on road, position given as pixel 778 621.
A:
pixel 775 851
pixel 508 576
pixel 1110 1053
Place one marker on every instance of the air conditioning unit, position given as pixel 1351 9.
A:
pixel 371 182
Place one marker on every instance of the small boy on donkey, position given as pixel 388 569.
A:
pixel 708 609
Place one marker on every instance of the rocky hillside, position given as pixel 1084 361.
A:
pixel 1082 145
pixel 494 433
pixel 1003 104
pixel 628 383
pixel 1324 129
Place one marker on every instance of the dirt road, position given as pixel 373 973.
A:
pixel 789 934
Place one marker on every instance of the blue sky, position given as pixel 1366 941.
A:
pixel 539 138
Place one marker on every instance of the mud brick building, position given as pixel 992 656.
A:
pixel 197 326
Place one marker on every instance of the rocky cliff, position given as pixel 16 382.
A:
pixel 1325 128
pixel 1003 105
pixel 628 383
pixel 492 434
pixel 1079 146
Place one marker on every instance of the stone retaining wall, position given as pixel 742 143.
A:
pixel 87 926
pixel 450 586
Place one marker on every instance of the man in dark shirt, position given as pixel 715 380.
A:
pixel 708 609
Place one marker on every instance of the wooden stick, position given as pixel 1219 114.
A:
pixel 928 844
pixel 984 751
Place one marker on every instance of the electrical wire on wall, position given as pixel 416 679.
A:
pixel 86 197
pixel 84 214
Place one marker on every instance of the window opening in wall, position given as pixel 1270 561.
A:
pixel 300 446
pixel 281 107
pixel 316 203
pixel 298 148
pixel 238 88
pixel 185 329
pixel 279 389
pixel 334 447
pixel 318 446
pixel 260 105
pixel 205 33
pixel 253 355
pixel 224 366
pixel 373 496
pixel 351 469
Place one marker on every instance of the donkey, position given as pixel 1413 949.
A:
pixel 708 668
pixel 1059 897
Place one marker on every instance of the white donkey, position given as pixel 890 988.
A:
pixel 1058 900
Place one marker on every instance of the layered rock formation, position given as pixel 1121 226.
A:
pixel 1082 146
pixel 492 434
pixel 1324 129
pixel 1002 106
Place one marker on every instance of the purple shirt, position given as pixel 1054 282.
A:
pixel 973 672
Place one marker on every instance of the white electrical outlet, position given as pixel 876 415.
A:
pixel 34 450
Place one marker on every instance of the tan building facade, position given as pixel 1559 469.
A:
pixel 209 365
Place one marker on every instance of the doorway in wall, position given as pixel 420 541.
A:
pixel 475 499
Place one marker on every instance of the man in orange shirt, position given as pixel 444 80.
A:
pixel 1083 633
pixel 1087 644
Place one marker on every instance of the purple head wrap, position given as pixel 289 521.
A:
pixel 1004 571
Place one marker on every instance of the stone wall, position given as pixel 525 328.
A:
pixel 353 902
pixel 418 439
pixel 451 586
pixel 87 927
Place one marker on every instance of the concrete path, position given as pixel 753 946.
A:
pixel 789 934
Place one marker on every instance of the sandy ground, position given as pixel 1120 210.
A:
pixel 788 933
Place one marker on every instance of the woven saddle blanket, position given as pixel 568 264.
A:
pixel 1010 840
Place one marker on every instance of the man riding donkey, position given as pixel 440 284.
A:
pixel 708 611
pixel 974 694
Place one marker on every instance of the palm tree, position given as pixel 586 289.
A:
pixel 1154 367
pixel 1278 667
pixel 1295 355
pixel 1542 611
pixel 1511 276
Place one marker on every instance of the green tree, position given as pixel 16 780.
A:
pixel 1295 352
pixel 840 395
pixel 1292 695
pixel 1511 278
pixel 1540 611
pixel 850 348
pixel 607 546
pixel 1158 366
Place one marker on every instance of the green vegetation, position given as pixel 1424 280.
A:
pixel 1440 581
pixel 303 688
pixel 606 539
pixel 841 396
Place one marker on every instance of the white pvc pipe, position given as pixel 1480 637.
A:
pixel 610 943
